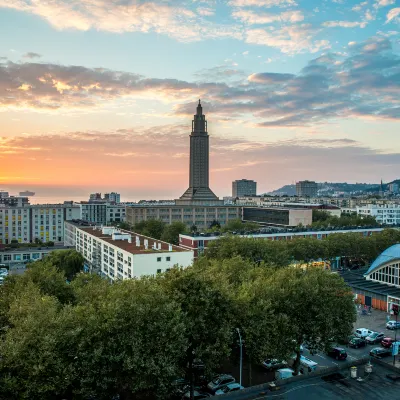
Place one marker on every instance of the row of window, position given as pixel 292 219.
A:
pixel 389 275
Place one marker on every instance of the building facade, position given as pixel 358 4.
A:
pixel 278 216
pixel 244 187
pixel 117 254
pixel 388 214
pixel 393 187
pixel 15 258
pixel 102 213
pixel 41 221
pixel 306 188
pixel 200 216
pixel 112 197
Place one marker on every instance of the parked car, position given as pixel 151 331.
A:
pixel 232 387
pixel 374 338
pixel 362 332
pixel 393 325
pixel 380 352
pixel 337 352
pixel 273 363
pixel 387 342
pixel 219 382
pixel 356 342
pixel 196 395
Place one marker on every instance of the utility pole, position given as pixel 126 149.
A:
pixel 241 355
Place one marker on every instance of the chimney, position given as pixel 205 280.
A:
pixel 159 246
pixel 129 239
pixel 170 247
pixel 137 241
pixel 155 246
pixel 146 244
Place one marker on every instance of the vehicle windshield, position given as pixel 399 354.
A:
pixel 216 381
pixel 373 335
pixel 226 389
pixel 342 351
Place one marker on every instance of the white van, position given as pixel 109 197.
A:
pixel 283 373
pixel 363 333
pixel 307 365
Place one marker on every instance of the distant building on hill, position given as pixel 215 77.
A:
pixel 244 187
pixel 306 188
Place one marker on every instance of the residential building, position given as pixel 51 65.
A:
pixel 278 216
pixel 200 216
pixel 12 201
pixel 4 194
pixel 199 191
pixel 388 214
pixel 198 242
pixel 39 221
pixel 393 187
pixel 244 187
pixel 95 197
pixel 118 254
pixel 112 197
pixel 306 188
pixel 102 213
pixel 19 257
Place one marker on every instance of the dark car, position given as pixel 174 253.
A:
pixel 338 353
pixel 387 342
pixel 375 338
pixel 379 352
pixel 196 395
pixel 356 343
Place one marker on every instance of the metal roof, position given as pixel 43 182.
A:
pixel 390 254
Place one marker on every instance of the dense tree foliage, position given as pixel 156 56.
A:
pixel 171 232
pixel 94 339
pixel 283 252
pixel 322 219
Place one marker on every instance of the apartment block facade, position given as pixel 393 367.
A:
pixel 30 222
pixel 118 254
pixel 200 216
pixel 384 214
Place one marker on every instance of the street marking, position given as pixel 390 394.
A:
pixel 320 356
pixel 354 358
pixel 333 362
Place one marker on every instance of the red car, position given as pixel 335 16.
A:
pixel 387 342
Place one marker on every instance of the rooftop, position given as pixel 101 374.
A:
pixel 390 254
pixel 162 247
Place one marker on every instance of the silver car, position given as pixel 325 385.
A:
pixel 219 382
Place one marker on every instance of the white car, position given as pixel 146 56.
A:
pixel 273 363
pixel 363 333
pixel 232 387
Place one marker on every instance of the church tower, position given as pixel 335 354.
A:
pixel 199 191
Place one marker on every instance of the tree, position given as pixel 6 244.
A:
pixel 319 306
pixel 70 262
pixel 206 315
pixel 152 228
pixel 171 232
pixel 14 243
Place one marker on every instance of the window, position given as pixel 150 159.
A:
pixel 158 259
pixel 159 271
pixel 168 258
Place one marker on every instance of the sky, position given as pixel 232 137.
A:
pixel 98 95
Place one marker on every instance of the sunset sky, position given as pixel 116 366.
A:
pixel 98 95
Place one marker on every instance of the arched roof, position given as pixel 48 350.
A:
pixel 390 254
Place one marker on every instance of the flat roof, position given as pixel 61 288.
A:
pixel 131 247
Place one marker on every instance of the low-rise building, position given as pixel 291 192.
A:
pixel 278 216
pixel 120 254
pixel 199 215
pixel 19 257
pixel 388 214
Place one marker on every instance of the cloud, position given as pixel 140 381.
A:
pixel 262 3
pixel 362 83
pixel 170 17
pixel 281 160
pixel 393 15
pixel 384 3
pixel 206 11
pixel 253 18
pixel 32 55
pixel 359 7
pixel 344 24
pixel 289 39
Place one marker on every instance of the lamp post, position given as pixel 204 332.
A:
pixel 241 354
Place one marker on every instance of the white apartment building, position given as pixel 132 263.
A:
pixel 40 221
pixel 118 254
pixel 101 213
pixel 384 213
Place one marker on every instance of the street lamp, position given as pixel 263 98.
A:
pixel 241 354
